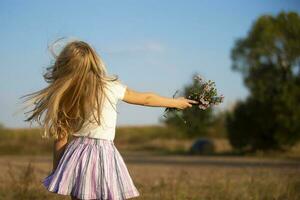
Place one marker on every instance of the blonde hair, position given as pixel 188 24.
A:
pixel 76 89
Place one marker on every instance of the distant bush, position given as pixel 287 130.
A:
pixel 1 126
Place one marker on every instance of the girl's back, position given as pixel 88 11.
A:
pixel 114 91
pixel 81 101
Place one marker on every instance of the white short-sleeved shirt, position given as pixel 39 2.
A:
pixel 115 91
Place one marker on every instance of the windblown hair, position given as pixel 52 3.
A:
pixel 75 91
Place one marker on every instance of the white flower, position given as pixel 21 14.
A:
pixel 207 88
pixel 204 102
pixel 202 107
pixel 200 97
pixel 221 97
pixel 198 78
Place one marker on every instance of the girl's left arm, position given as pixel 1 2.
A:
pixel 59 146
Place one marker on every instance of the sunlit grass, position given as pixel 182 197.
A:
pixel 170 182
pixel 20 179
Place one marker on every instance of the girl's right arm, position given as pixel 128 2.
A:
pixel 153 99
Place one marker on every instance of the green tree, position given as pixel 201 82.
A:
pixel 198 121
pixel 269 60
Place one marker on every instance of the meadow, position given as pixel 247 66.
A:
pixel 160 167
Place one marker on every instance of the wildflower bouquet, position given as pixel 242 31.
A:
pixel 203 92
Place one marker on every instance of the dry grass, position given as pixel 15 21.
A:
pixel 29 141
pixel 170 178
pixel 179 182
pixel 26 159
pixel 131 138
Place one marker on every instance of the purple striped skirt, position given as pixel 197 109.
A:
pixel 91 168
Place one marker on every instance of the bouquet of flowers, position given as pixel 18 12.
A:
pixel 204 92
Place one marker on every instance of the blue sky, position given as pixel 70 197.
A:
pixel 152 45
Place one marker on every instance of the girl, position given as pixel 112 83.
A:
pixel 79 110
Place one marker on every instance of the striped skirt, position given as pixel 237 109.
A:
pixel 91 169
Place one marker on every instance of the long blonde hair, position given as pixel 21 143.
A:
pixel 76 89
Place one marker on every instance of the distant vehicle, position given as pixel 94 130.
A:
pixel 202 146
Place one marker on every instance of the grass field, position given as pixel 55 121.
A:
pixel 159 167
pixel 170 177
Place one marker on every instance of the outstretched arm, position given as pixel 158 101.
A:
pixel 155 100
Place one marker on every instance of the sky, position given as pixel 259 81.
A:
pixel 153 46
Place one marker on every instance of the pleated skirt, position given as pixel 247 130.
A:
pixel 91 168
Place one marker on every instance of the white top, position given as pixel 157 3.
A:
pixel 115 91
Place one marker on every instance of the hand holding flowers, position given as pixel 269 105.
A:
pixel 203 94
pixel 183 103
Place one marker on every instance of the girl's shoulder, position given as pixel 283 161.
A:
pixel 118 88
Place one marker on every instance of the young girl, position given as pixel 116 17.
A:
pixel 79 110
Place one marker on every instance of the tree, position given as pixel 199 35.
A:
pixel 197 121
pixel 269 61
